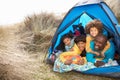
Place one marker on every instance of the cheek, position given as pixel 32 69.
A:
pixel 97 32
pixel 98 46
pixel 68 42
pixel 91 33
pixel 82 47
pixel 101 46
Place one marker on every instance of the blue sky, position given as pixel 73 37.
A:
pixel 14 11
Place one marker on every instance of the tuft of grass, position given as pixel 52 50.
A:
pixel 118 19
pixel 40 22
pixel 40 28
pixel 40 43
pixel 114 5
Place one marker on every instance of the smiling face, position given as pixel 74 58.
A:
pixel 100 42
pixel 80 42
pixel 81 45
pixel 67 41
pixel 94 31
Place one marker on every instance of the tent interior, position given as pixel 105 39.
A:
pixel 79 24
pixel 76 19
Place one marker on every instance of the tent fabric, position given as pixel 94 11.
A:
pixel 85 2
pixel 113 71
pixel 90 9
pixel 118 28
pixel 82 13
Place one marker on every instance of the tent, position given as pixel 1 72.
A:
pixel 82 13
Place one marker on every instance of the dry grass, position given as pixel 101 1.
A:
pixel 41 22
pixel 11 57
pixel 114 5
pixel 23 48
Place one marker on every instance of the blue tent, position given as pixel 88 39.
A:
pixel 82 13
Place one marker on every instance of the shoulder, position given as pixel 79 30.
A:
pixel 89 37
pixel 111 43
pixel 72 40
pixel 112 46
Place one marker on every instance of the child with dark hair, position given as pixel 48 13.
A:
pixel 93 28
pixel 81 38
pixel 74 55
pixel 72 60
pixel 67 42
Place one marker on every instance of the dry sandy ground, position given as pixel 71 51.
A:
pixel 14 61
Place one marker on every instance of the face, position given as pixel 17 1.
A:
pixel 67 41
pixel 81 45
pixel 93 31
pixel 100 43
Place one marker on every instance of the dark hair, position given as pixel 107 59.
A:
pixel 95 23
pixel 83 54
pixel 69 35
pixel 102 36
pixel 61 45
pixel 80 38
pixel 83 39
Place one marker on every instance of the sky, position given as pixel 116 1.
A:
pixel 15 11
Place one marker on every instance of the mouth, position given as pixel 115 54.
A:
pixel 81 48
pixel 93 35
pixel 96 47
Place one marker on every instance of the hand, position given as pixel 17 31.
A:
pixel 97 54
pixel 99 63
pixel 81 62
pixel 68 62
pixel 102 54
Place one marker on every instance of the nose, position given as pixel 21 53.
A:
pixel 97 44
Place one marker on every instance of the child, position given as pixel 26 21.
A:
pixel 94 28
pixel 67 42
pixel 73 56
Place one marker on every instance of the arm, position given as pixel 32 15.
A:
pixel 88 40
pixel 105 49
pixel 89 55
pixel 88 49
pixel 109 54
pixel 62 55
